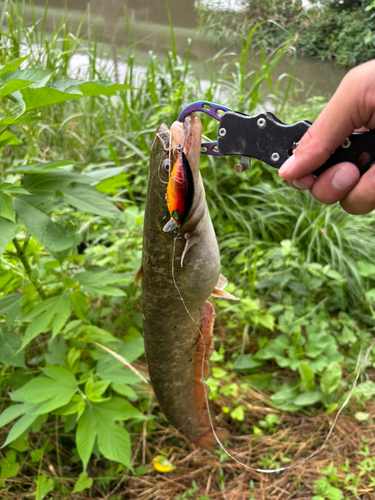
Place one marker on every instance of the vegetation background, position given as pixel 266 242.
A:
pixel 74 160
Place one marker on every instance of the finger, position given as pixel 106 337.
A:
pixel 334 184
pixel 345 112
pixel 361 199
pixel 303 183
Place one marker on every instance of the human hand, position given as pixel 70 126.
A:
pixel 352 107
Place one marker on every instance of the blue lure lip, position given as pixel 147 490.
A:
pixel 211 109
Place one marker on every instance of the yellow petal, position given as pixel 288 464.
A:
pixel 162 464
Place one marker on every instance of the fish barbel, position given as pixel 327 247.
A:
pixel 181 269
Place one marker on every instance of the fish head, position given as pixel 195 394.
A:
pixel 181 144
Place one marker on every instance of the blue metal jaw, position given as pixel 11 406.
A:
pixel 210 109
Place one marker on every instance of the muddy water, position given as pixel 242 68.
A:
pixel 122 23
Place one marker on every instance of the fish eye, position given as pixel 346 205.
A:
pixel 166 165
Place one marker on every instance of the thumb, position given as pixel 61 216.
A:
pixel 349 109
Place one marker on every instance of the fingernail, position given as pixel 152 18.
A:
pixel 299 185
pixel 344 179
pixel 289 162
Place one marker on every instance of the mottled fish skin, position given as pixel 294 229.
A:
pixel 173 342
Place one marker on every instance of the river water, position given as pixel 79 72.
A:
pixel 121 23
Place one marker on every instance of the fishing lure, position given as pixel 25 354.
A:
pixel 178 195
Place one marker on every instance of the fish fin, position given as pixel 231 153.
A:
pixel 221 282
pixel 203 350
pixel 222 294
pixel 207 440
pixel 138 276
pixel 191 240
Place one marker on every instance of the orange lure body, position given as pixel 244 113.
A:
pixel 177 189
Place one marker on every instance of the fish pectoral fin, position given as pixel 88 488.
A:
pixel 222 294
pixel 191 240
pixel 221 282
pixel 138 276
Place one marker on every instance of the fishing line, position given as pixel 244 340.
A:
pixel 266 471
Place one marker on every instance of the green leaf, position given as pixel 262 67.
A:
pixel 266 320
pixel 8 139
pixel 133 349
pixel 331 378
pixel 9 467
pixel 307 398
pixel 88 199
pixel 238 413
pixel 53 236
pixel 307 376
pixel 8 231
pixel 15 411
pixel 56 309
pixel 19 427
pixel 86 436
pixel 12 65
pixel 83 483
pixel 7 187
pixel 96 334
pixel 44 485
pixel 117 409
pixel 94 390
pixel 125 390
pixel 80 304
pixel 108 368
pixel 6 207
pixel 11 306
pixel 56 352
pixel 43 168
pixel 246 362
pixel 65 90
pixel 114 443
pixel 366 269
pixel 10 354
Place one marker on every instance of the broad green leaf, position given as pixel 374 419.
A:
pixel 117 409
pixel 44 485
pixel 56 352
pixel 7 187
pixel 10 353
pixel 80 304
pixel 96 282
pixel 65 90
pixel 12 412
pixel 41 168
pixel 9 467
pixel 246 362
pixel 105 173
pixel 125 390
pixel 8 231
pixel 83 483
pixel 109 368
pixel 86 436
pixel 11 306
pixel 53 236
pixel 8 139
pixel 88 199
pixel 133 349
pixel 95 390
pixel 266 320
pixel 12 65
pixel 96 334
pixel 114 443
pixel 331 378
pixel 366 269
pixel 307 376
pixel 308 398
pixel 56 309
pixel 283 400
pixel 19 427
pixel 6 207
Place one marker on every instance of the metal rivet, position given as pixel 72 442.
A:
pixel 261 123
pixel 346 144
pixel 275 157
pixel 222 132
